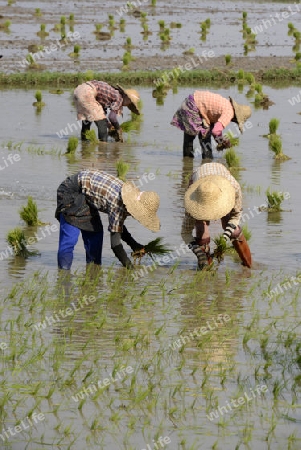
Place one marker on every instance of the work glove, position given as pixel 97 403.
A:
pixel 231 232
pixel 120 253
pixel 217 129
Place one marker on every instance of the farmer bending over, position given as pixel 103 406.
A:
pixel 92 101
pixel 82 196
pixel 205 114
pixel 212 194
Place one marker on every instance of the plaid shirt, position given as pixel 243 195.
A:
pixel 107 96
pixel 213 107
pixel 204 170
pixel 103 191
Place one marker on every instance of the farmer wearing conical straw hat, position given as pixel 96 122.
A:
pixel 94 98
pixel 82 196
pixel 206 114
pixel 212 194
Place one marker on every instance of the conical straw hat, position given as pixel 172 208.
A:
pixel 210 198
pixel 142 205
pixel 241 113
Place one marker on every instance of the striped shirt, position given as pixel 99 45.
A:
pixel 103 191
pixel 107 96
pixel 213 107
pixel 203 171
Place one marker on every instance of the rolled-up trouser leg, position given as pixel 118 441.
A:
pixel 102 126
pixel 85 127
pixel 188 145
pixel 205 143
pixel 67 241
pixel 93 246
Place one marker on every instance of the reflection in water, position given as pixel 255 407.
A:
pixel 274 217
pixel 276 172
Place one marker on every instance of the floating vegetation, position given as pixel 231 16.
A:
pixel 72 145
pixel 29 213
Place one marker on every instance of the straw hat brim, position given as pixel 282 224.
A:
pixel 210 198
pixel 133 106
pixel 241 113
pixel 137 209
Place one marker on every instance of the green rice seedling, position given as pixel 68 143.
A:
pixel 247 233
pixel 153 248
pixel 161 24
pixel 246 49
pixel 204 27
pixel 233 140
pixel 91 136
pixel 297 35
pixel 274 200
pixel 17 241
pixel 228 59
pixel 38 103
pixel 128 42
pixel 122 169
pixel 143 16
pixel 244 15
pixel 154 2
pixel 42 33
pixel 250 78
pixel 71 17
pixel 5 26
pixel 72 144
pixel 98 27
pixel 126 59
pixel 208 23
pixel 298 56
pixel 232 159
pixel 29 213
pixel 273 125
pixel 258 99
pixel 258 88
pixel 275 144
pixel 76 49
pixel 63 20
pixel 190 51
pixel 290 26
pixel 122 23
pixel 38 12
pixel 241 74
pixel 221 246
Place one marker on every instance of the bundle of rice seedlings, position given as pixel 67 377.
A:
pixel 221 247
pixel 122 169
pixel 17 241
pixel 29 213
pixel 274 200
pixel 232 159
pixel 275 144
pixel 233 140
pixel 38 95
pixel 72 144
pixel 273 125
pixel 153 248
pixel 91 136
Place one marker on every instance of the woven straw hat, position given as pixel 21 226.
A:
pixel 241 113
pixel 134 97
pixel 210 198
pixel 142 205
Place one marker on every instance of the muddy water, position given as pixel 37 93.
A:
pixel 178 300
pixel 155 148
pixel 224 37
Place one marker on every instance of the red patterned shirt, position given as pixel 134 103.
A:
pixel 107 96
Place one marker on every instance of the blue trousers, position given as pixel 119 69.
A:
pixel 68 239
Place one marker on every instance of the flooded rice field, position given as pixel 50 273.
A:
pixel 164 356
pixel 159 358
pixel 139 21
